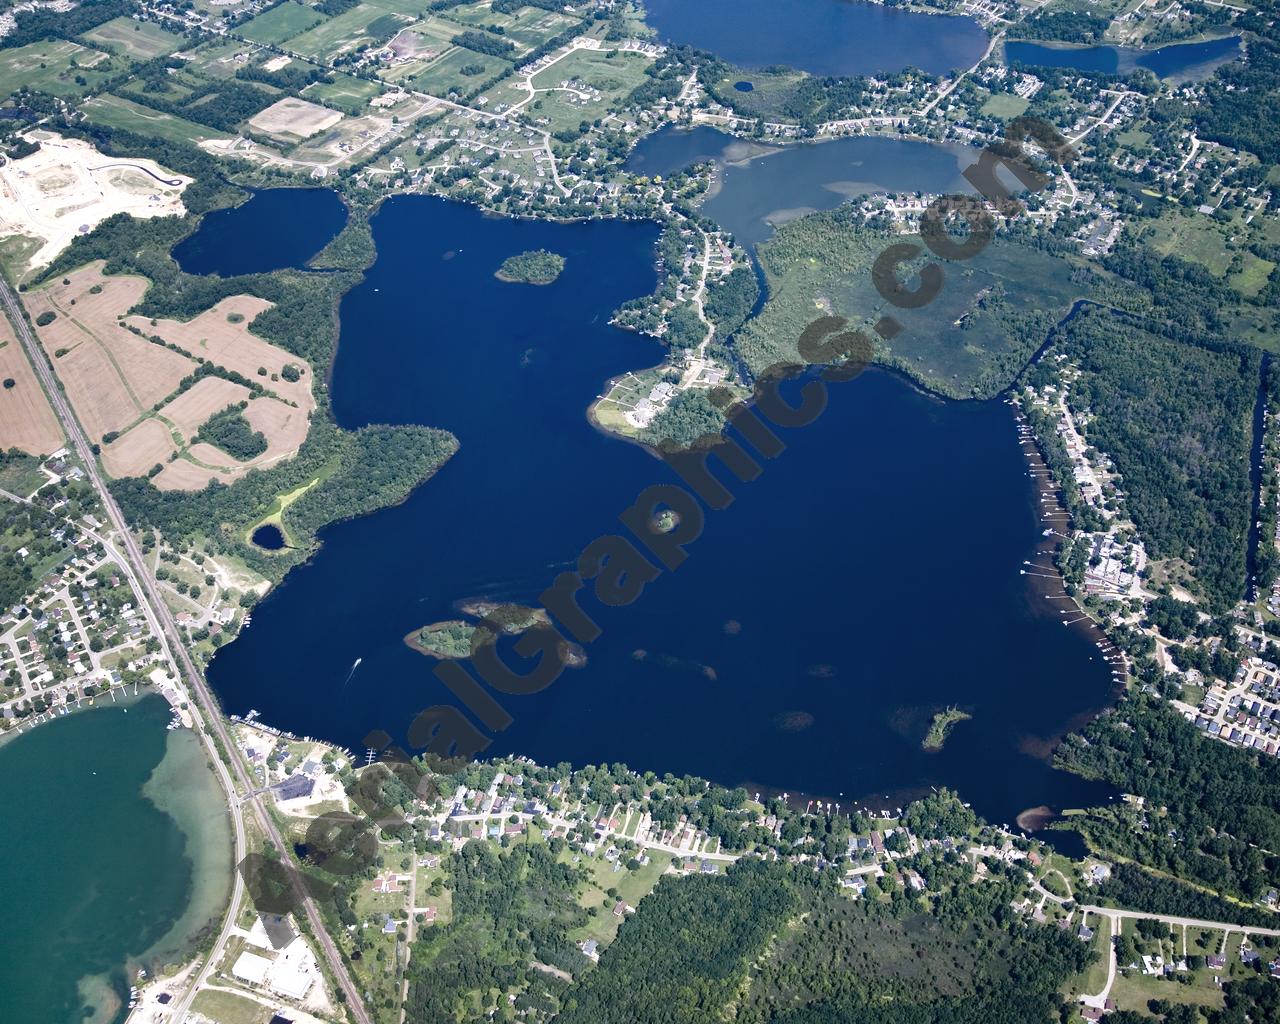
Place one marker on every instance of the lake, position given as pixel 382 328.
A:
pixel 870 576
pixel 758 186
pixel 1181 61
pixel 273 229
pixel 123 857
pixel 823 37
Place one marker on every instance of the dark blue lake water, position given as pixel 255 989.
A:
pixel 867 578
pixel 273 229
pixel 758 187
pixel 823 37
pixel 1185 61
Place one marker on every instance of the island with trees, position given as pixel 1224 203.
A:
pixel 538 266
pixel 940 728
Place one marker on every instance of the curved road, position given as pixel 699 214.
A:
pixel 162 621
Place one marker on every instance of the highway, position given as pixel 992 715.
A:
pixel 162 621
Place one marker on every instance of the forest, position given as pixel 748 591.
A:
pixel 684 953
pixel 358 471
pixel 511 909
pixel 1176 419
pixel 537 266
pixel 1212 809
pixel 1241 105
pixel 230 431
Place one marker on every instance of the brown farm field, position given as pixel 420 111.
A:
pixel 27 421
pixel 138 449
pixel 112 376
pixel 120 382
pixel 194 406
pixel 295 119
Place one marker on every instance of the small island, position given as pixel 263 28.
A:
pixel 538 266
pixel 941 726
pixel 449 639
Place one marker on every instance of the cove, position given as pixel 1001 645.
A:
pixel 123 857
pixel 758 186
pixel 274 229
pixel 1181 61
pixel 868 577
pixel 823 37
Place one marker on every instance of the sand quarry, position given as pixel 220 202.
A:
pixel 68 188
pixel 116 379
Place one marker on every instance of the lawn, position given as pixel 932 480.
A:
pixel 1132 991
pixel 118 112
pixel 348 30
pixel 533 26
pixel 281 23
pixel 1192 236
pixel 54 66
pixel 770 93
pixel 597 82
pixel 1004 105
pixel 348 94
pixel 22 475
pixel 632 887
pixel 445 73
pixel 142 39
pixel 228 1008
pixel 1134 139
pixel 1253 276
pixel 1095 977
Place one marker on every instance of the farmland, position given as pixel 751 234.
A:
pixel 60 67
pixel 26 420
pixel 141 39
pixel 280 23
pixel 139 393
pixel 117 112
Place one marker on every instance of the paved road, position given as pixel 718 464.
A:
pixel 162 622
pixel 1188 922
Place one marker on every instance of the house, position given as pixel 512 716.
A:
pixel 589 949
pixel 295 787
pixel 1085 934
pixel 1216 961
pixel 251 968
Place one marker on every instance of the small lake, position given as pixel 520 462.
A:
pixel 274 229
pixel 119 853
pixel 758 187
pixel 269 537
pixel 823 37
pixel 1181 61
pixel 869 577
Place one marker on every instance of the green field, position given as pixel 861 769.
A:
pixel 344 33
pixel 1252 277
pixel 118 112
pixel 281 23
pixel 1190 236
pixel 771 96
pixel 54 67
pixel 533 26
pixel 445 73
pixel 1134 139
pixel 1004 105
pixel 229 1008
pixel 990 315
pixel 136 38
pixel 350 95
pixel 613 75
